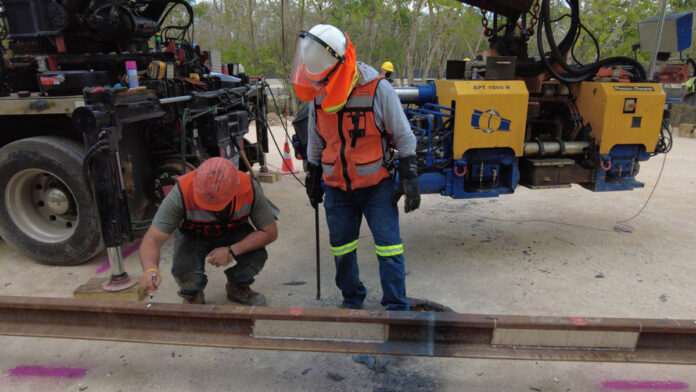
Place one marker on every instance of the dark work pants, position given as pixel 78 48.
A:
pixel 189 259
pixel 344 212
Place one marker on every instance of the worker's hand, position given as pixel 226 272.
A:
pixel 219 257
pixel 413 199
pixel 149 281
pixel 408 183
pixel 313 184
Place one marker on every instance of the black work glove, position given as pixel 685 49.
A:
pixel 408 175
pixel 313 184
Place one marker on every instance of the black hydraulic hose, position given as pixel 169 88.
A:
pixel 549 66
pixel 99 146
pixel 545 17
pixel 623 60
pixel 594 40
pixel 189 10
pixel 538 67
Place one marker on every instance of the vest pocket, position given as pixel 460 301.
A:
pixel 368 168
pixel 332 173
pixel 327 168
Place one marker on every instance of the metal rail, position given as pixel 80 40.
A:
pixel 356 331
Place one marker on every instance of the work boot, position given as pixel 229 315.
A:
pixel 198 298
pixel 243 294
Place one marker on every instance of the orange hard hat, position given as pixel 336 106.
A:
pixel 215 184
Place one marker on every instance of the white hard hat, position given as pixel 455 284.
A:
pixel 332 35
pixel 319 51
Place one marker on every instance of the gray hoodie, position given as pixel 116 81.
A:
pixel 388 113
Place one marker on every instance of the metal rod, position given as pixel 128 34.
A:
pixel 316 234
pixel 116 262
pixel 660 25
pixel 407 94
pixel 553 148
pixel 355 331
pixel 182 98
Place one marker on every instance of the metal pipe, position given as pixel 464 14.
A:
pixel 116 262
pixel 181 98
pixel 660 25
pixel 553 148
pixel 439 334
pixel 317 246
pixel 407 94
pixel 422 93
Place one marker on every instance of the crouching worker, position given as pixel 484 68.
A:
pixel 211 212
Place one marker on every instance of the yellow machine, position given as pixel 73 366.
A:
pixel 621 113
pixel 493 113
pixel 482 138
pixel 543 120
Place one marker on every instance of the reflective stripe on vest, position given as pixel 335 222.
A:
pixel 204 222
pixel 354 154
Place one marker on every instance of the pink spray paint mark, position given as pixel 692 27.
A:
pixel 42 371
pixel 649 385
pixel 578 321
pixel 104 265
pixel 295 311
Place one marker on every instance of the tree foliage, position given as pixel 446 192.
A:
pixel 418 36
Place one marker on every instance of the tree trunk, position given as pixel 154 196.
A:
pixel 411 45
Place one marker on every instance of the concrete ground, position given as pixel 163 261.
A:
pixel 543 252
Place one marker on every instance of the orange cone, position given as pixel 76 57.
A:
pixel 287 159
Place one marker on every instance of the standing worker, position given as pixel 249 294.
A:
pixel 211 209
pixel 387 71
pixel 354 117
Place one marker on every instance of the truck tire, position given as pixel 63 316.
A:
pixel 46 209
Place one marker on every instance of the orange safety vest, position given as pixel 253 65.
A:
pixel 357 152
pixel 204 222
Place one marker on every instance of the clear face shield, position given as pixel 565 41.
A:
pixel 314 62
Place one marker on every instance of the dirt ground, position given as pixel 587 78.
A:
pixel 536 252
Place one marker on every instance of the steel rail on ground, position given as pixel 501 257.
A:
pixel 438 334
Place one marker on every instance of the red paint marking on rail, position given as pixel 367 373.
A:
pixel 647 385
pixel 578 321
pixel 104 265
pixel 295 311
pixel 42 371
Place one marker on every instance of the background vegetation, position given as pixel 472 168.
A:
pixel 418 36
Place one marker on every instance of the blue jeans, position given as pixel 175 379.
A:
pixel 344 211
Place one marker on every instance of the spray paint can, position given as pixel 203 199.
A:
pixel 132 71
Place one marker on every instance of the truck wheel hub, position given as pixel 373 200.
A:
pixel 57 201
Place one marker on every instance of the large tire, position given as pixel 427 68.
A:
pixel 46 209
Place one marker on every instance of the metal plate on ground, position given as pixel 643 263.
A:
pixel 321 330
pixel 617 340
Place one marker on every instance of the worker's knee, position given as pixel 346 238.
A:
pixel 190 280
pixel 254 260
pixel 248 266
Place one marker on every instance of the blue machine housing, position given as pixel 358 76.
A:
pixel 622 169
pixel 479 173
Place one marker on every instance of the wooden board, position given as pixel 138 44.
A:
pixel 269 177
pixel 93 290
